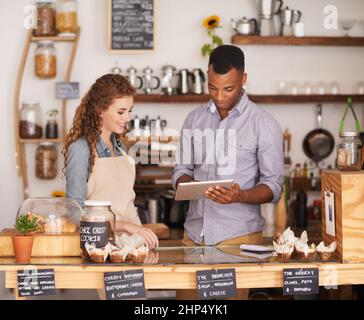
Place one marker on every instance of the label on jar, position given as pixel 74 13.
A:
pixel 94 233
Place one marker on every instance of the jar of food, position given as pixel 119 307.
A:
pixel 51 131
pixel 46 19
pixel 46 161
pixel 30 126
pixel 45 60
pixel 97 226
pixel 66 16
pixel 349 152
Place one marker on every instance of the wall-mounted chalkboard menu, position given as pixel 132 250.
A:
pixel 131 25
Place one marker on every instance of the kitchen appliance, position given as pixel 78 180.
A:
pixel 245 26
pixel 198 81
pixel 184 79
pixel 168 82
pixel 288 18
pixel 148 78
pixel 134 127
pixel 267 9
pixel 133 78
pixel 319 143
pixel 157 126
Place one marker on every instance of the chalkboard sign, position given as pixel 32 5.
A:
pixel 95 233
pixel 131 25
pixel 300 281
pixel 124 284
pixel 216 284
pixel 34 282
pixel 67 90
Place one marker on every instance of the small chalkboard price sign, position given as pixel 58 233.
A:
pixel 124 284
pixel 216 284
pixel 300 281
pixel 36 282
pixel 131 25
pixel 67 90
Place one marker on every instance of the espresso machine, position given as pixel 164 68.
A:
pixel 267 10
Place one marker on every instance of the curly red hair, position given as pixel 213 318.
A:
pixel 87 120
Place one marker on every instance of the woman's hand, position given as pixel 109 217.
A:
pixel 150 238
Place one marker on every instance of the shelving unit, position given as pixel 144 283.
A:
pixel 298 41
pixel 20 143
pixel 269 99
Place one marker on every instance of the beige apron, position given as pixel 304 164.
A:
pixel 112 179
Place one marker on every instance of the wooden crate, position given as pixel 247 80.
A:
pixel 348 188
pixel 61 245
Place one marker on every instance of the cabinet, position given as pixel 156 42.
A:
pixel 20 143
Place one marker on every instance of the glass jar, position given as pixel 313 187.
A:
pixel 66 16
pixel 46 19
pixel 349 152
pixel 97 225
pixel 46 161
pixel 30 126
pixel 45 60
pixel 51 130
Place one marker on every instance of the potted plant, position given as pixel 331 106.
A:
pixel 23 241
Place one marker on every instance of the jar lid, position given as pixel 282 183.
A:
pixel 96 203
pixel 30 102
pixel 349 134
pixel 46 42
pixel 44 2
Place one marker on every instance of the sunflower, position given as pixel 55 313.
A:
pixel 211 22
pixel 58 194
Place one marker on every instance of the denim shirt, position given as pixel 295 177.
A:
pixel 255 156
pixel 78 167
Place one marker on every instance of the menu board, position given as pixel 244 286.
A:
pixel 131 25
pixel 36 282
pixel 216 284
pixel 300 281
pixel 124 284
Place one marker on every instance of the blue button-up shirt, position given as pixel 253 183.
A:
pixel 78 167
pixel 246 146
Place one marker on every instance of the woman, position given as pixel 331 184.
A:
pixel 97 167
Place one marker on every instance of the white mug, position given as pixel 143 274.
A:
pixel 299 29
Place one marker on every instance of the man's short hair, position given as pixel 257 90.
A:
pixel 226 57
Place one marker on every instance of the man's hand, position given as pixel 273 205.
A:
pixel 222 195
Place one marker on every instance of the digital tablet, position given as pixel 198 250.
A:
pixel 196 190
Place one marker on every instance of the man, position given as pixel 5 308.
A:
pixel 246 146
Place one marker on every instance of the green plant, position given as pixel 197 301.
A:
pixel 211 24
pixel 25 224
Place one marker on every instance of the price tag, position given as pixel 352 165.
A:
pixel 124 284
pixel 330 213
pixel 216 284
pixel 67 90
pixel 300 281
pixel 36 282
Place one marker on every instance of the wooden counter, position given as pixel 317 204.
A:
pixel 73 273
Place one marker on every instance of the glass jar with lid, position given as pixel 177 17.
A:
pixel 349 157
pixel 45 59
pixel 46 161
pixel 30 126
pixel 66 16
pixel 46 19
pixel 97 226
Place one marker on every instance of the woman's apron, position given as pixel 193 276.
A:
pixel 112 179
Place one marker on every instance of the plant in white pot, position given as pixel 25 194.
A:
pixel 23 240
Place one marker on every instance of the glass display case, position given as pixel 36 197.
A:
pixel 54 215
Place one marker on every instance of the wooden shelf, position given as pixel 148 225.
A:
pixel 152 187
pixel 270 98
pixel 162 98
pixel 60 140
pixel 68 38
pixel 298 41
